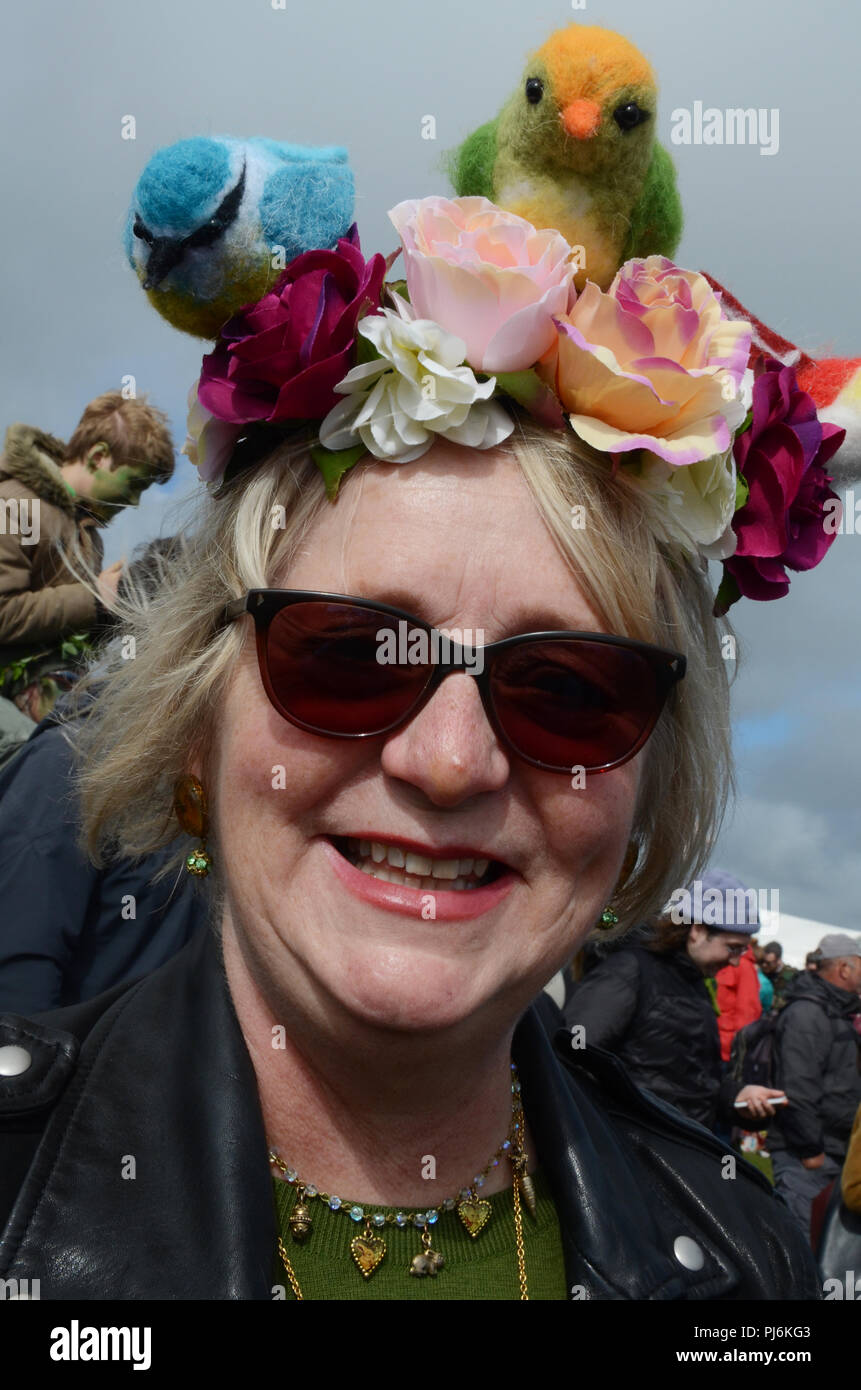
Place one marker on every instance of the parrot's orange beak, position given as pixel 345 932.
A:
pixel 581 118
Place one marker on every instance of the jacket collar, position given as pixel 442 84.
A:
pixel 34 458
pixel 614 1247
pixel 173 1042
pixel 837 1002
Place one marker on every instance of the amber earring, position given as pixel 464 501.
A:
pixel 189 804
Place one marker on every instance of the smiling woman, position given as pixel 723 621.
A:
pixel 388 902
pixel 352 1087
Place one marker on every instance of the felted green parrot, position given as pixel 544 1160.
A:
pixel 574 148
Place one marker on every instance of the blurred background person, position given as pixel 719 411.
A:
pixel 649 1004
pixel 766 988
pixel 816 1064
pixel 738 990
pixel 850 1178
pixel 780 975
pixel 54 498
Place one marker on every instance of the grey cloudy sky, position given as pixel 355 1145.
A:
pixel 781 231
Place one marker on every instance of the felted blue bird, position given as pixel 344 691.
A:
pixel 214 221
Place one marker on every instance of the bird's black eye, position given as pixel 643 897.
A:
pixel 630 115
pixel 534 90
pixel 143 232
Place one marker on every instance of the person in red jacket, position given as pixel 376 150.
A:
pixel 738 985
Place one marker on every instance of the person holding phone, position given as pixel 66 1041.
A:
pixel 649 1004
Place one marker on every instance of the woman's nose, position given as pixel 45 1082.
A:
pixel 448 749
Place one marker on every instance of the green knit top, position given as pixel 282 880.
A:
pixel 480 1267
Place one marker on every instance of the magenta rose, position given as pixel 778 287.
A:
pixel 281 358
pixel 782 460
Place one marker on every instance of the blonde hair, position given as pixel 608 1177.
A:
pixel 155 713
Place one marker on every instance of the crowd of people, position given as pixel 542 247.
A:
pixel 721 1027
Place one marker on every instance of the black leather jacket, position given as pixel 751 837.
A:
pixel 158 1072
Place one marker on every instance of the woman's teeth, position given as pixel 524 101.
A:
pixel 395 865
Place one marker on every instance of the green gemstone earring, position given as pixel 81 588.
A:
pixel 189 804
pixel 608 920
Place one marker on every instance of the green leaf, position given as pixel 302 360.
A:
pixel 399 287
pixel 728 593
pixel 742 491
pixel 365 350
pixel 530 391
pixel 745 424
pixel 334 463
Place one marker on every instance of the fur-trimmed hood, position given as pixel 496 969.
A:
pixel 34 458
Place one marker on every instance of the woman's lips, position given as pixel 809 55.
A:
pixel 438 904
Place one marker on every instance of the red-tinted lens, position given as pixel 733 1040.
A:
pixel 325 666
pixel 576 703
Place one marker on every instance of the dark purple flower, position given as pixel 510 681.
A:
pixel 281 358
pixel 782 459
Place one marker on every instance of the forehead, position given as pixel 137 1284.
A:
pixel 455 534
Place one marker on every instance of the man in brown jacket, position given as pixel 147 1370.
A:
pixel 53 499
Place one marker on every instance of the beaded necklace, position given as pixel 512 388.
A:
pixel 369 1249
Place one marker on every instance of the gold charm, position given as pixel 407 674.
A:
pixel 474 1212
pixel 528 1193
pixel 368 1250
pixel 521 1176
pixel 300 1222
pixel 428 1262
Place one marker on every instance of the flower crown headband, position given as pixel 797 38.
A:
pixel 651 372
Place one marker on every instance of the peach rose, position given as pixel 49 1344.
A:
pixel 487 276
pixel 652 364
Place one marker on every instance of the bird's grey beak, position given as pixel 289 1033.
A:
pixel 165 253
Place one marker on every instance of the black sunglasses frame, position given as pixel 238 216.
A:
pixel 264 604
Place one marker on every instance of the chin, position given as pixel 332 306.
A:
pixel 407 990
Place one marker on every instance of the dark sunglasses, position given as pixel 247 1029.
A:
pixel 559 700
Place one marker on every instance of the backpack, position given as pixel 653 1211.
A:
pixel 751 1057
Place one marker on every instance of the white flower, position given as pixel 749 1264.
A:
pixel 418 389
pixel 699 501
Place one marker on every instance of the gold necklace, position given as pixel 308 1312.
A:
pixel 369 1249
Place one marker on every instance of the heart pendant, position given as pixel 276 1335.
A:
pixel 368 1252
pixel 474 1212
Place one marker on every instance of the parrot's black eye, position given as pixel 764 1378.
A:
pixel 630 115
pixel 534 90
pixel 143 232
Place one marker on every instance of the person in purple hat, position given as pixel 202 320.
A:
pixel 649 1003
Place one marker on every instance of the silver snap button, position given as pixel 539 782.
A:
pixel 688 1253
pixel 14 1060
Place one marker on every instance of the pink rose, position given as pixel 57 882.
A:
pixel 487 276
pixel 652 364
